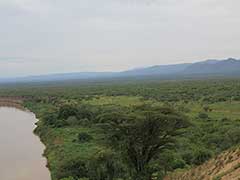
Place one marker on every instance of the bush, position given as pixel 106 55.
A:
pixel 233 136
pixel 66 111
pixel 85 111
pixel 178 164
pixel 105 165
pixel 84 122
pixel 201 155
pixel 72 120
pixel 188 156
pixel 61 123
pixel 203 116
pixel 73 169
pixel 50 119
pixel 214 139
pixel 84 137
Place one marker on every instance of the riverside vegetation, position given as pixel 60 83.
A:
pixel 132 130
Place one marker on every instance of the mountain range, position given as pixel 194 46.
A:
pixel 208 67
pixel 213 67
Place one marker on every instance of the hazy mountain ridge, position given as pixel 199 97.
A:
pixel 208 67
pixel 159 69
pixel 214 67
pixel 224 67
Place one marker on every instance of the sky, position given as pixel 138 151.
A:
pixel 58 36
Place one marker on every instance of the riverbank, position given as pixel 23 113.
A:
pixel 63 149
pixel 16 102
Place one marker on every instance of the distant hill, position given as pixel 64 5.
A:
pixel 158 70
pixel 226 67
pixel 60 77
pixel 208 67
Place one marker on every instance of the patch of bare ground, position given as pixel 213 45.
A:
pixel 225 166
pixel 12 102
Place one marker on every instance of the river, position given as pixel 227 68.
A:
pixel 20 150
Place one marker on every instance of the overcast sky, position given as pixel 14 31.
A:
pixel 53 36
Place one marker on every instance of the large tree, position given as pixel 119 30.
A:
pixel 142 138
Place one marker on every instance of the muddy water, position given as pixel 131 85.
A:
pixel 20 150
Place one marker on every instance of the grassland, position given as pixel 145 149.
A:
pixel 212 107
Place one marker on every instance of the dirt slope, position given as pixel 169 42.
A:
pixel 226 166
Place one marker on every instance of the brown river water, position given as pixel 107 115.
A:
pixel 20 150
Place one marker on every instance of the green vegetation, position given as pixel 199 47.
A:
pixel 132 130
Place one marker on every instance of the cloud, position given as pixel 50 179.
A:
pixel 88 35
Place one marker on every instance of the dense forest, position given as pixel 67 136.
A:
pixel 132 130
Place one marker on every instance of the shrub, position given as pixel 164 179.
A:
pixel 178 164
pixel 72 120
pixel 50 119
pixel 61 123
pixel 66 111
pixel 73 169
pixel 201 155
pixel 105 165
pixel 203 116
pixel 84 137
pixel 84 122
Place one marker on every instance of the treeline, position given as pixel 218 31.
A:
pixel 208 91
